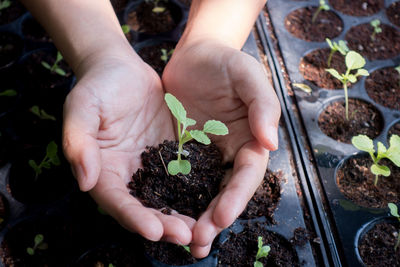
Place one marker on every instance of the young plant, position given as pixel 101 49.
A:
pixel 125 28
pixel 9 92
pixel 262 252
pixel 377 29
pixel 4 4
pixel 211 127
pixel 51 158
pixel 157 8
pixel 394 212
pixel 38 244
pixel 340 46
pixel 187 248
pixel 55 68
pixel 111 265
pixel 364 143
pixel 322 6
pixel 41 113
pixel 165 56
pixel 354 61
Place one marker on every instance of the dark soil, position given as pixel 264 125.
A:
pixel 3 211
pixel 358 7
pixel 7 103
pixel 377 245
pixel 186 2
pixel 300 237
pixel 11 13
pixel 188 195
pixel 383 86
pixel 385 45
pixel 168 253
pixel 313 65
pixel 327 25
pixel 265 199
pixel 363 119
pixel 119 5
pixel 241 249
pixel 152 55
pixel 393 13
pixel 394 130
pixel 143 19
pixel 356 182
pixel 10 49
pixel 33 31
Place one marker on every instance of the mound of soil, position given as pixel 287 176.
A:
pixel 358 7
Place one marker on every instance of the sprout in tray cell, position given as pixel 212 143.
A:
pixel 125 28
pixel 38 244
pixel 377 29
pixel 262 252
pixel 157 8
pixel 166 55
pixel 322 6
pixel 51 158
pixel 55 68
pixel 211 127
pixel 364 143
pixel 41 113
pixel 340 46
pixel 354 61
pixel 394 212
pixel 4 4
pixel 8 92
pixel 187 248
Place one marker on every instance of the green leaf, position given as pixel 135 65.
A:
pixel 30 251
pixel 215 127
pixel 375 23
pixel 335 74
pixel 258 264
pixel 260 242
pixel 176 166
pixel 303 87
pixel 5 4
pixel 187 248
pixel 55 160
pixel 158 9
pixel 200 137
pixel 398 69
pixel 380 170
pixel 35 167
pixel 363 143
pixel 187 137
pixel 329 43
pixel 352 78
pixel 381 149
pixel 125 28
pixel 46 116
pixel 393 210
pixel 46 65
pixel 362 72
pixel 51 149
pixel 59 56
pixel 60 71
pixel 9 92
pixel 189 122
pixel 175 107
pixel 393 152
pixel 263 252
pixel 343 48
pixel 35 110
pixel 38 239
pixel 354 61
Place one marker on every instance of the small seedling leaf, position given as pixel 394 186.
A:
pixel 375 23
pixel 352 78
pixel 187 248
pixel 30 251
pixel 398 69
pixel 59 56
pixel 200 137
pixel 9 92
pixel 35 167
pixel 38 239
pixel 258 264
pixel 263 252
pixel 335 74
pixel 303 87
pixel 158 9
pixel 46 116
pixel 175 167
pixel 393 152
pixel 60 71
pixel 362 72
pixel 381 148
pixel 363 143
pixel 343 48
pixel 46 65
pixel 329 43
pixel 189 122
pixel 187 137
pixel 354 60
pixel 125 28
pixel 175 107
pixel 393 210
pixel 51 149
pixel 380 170
pixel 215 127
pixel 35 110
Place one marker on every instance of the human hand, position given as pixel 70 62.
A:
pixel 215 81
pixel 115 110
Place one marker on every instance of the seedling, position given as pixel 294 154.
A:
pixel 55 68
pixel 262 252
pixel 9 92
pixel 157 9
pixel 303 87
pixel 4 4
pixel 394 212
pixel 111 265
pixel 322 6
pixel 364 143
pixel 41 113
pixel 398 70
pixel 165 56
pixel 377 29
pixel 211 127
pixel 125 28
pixel 51 158
pixel 187 248
pixel 38 244
pixel 354 61
pixel 339 46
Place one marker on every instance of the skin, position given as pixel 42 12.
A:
pixel 117 108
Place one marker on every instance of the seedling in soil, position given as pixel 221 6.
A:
pixel 111 265
pixel 41 113
pixel 377 29
pixel 339 46
pixel 303 87
pixel 157 9
pixel 262 252
pixel 354 61
pixel 364 143
pixel 125 28
pixel 398 70
pixel 211 127
pixel 187 248
pixel 38 244
pixel 394 212
pixel 166 55
pixel 322 6
pixel 55 68
pixel 51 158
pixel 9 92
pixel 4 4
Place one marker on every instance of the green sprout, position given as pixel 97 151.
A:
pixel 38 244
pixel 41 113
pixel 125 28
pixel 165 56
pixel 262 252
pixel 322 6
pixel 187 248
pixel 377 29
pixel 354 61
pixel 340 46
pixel 9 92
pixel 111 265
pixel 4 4
pixel 364 143
pixel 211 127
pixel 50 158
pixel 157 9
pixel 394 212
pixel 55 68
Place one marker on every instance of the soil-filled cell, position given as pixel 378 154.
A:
pixel 326 25
pixel 393 13
pixel 157 55
pixel 11 47
pixel 357 7
pixel 33 31
pixel 356 181
pixel 364 118
pixel 382 45
pixel 394 130
pixel 119 5
pixel 383 86
pixel 169 253
pixel 12 12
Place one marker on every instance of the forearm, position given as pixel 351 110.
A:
pixel 81 29
pixel 227 21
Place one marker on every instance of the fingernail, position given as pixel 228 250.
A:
pixel 273 137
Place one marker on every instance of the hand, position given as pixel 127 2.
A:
pixel 214 81
pixel 117 109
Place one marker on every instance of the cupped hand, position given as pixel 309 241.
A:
pixel 215 81
pixel 115 110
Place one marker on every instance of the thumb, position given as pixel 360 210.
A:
pixel 80 127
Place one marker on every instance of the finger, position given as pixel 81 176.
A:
pixel 80 127
pixel 200 252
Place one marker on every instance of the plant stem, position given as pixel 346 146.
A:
pixel 398 241
pixel 180 141
pixel 316 15
pixel 376 180
pixel 346 99
pixel 330 57
pixel 373 36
